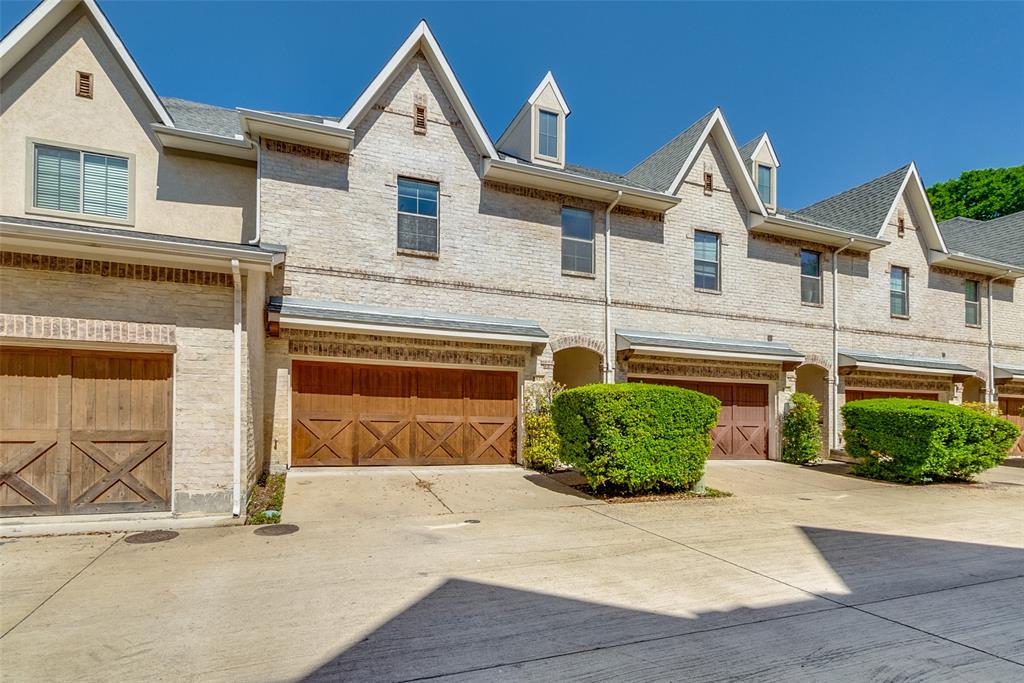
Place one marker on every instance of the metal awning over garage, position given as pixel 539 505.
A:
pixel 344 317
pixel 1006 373
pixel 850 360
pixel 685 346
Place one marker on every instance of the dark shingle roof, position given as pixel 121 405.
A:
pixel 848 357
pixel 403 317
pixel 860 210
pixel 633 338
pixel 203 118
pixel 661 168
pixel 747 151
pixel 999 239
pixel 583 172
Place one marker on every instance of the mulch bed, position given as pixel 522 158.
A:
pixel 268 495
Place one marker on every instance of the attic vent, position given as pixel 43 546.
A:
pixel 901 225
pixel 709 183
pixel 83 84
pixel 419 119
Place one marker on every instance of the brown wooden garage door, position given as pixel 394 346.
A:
pixel 1010 409
pixel 84 432
pixel 857 395
pixel 344 414
pixel 742 429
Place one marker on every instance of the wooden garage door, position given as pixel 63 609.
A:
pixel 84 432
pixel 857 395
pixel 344 414
pixel 742 429
pixel 1010 409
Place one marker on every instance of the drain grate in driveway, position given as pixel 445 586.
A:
pixel 151 537
pixel 276 530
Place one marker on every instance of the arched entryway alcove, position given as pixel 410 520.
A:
pixel 813 379
pixel 576 366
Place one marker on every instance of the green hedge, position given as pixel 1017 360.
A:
pixel 801 431
pixel 915 441
pixel 541 451
pixel 635 438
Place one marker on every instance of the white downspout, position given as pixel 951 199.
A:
pixel 990 382
pixel 834 398
pixel 259 192
pixel 236 493
pixel 609 334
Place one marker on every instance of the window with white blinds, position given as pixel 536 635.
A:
pixel 81 182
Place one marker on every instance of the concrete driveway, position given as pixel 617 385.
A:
pixel 802 575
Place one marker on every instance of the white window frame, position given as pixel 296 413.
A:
pixel 976 303
pixel 30 184
pixel 398 212
pixel 718 262
pixel 819 279
pixel 905 292
pixel 561 251
pixel 558 133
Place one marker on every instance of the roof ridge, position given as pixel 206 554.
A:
pixel 903 169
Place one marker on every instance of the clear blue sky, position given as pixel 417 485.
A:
pixel 847 91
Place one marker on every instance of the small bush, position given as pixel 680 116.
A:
pixel 540 451
pixel 635 438
pixel 801 432
pixel 986 408
pixel 914 441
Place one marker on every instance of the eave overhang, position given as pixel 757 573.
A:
pixel 633 342
pixel 148 248
pixel 556 180
pixel 849 361
pixel 781 226
pixel 326 135
pixel 973 264
pixel 237 147
pixel 1002 374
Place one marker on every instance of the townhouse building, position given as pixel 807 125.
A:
pixel 192 295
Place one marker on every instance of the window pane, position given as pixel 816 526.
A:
pixel 417 196
pixel 417 232
pixel 105 185
pixel 810 263
pixel 973 314
pixel 547 138
pixel 577 256
pixel 898 303
pixel 577 223
pixel 705 275
pixel 764 183
pixel 705 246
pixel 58 179
pixel 810 290
pixel 971 289
pixel 898 279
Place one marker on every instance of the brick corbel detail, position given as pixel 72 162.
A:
pixel 52 328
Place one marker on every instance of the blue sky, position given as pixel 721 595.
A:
pixel 848 91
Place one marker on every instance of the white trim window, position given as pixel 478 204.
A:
pixel 707 260
pixel 80 182
pixel 577 240
pixel 547 133
pixel 417 216
pixel 764 183
pixel 972 303
pixel 810 277
pixel 899 292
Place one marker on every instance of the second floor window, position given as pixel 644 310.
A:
pixel 80 182
pixel 899 284
pixel 417 215
pixel 764 183
pixel 706 260
pixel 577 240
pixel 810 277
pixel 547 138
pixel 972 302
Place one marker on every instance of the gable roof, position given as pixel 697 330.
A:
pixel 549 79
pixel 999 239
pixel 862 209
pixel 667 167
pixel 747 151
pixel 421 39
pixel 45 17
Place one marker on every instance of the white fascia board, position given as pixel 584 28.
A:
pixel 141 248
pixel 914 178
pixel 422 38
pixel 259 123
pixel 738 167
pixel 549 79
pixel 847 362
pixel 45 17
pixel 765 140
pixel 974 264
pixel 310 323
pixel 598 189
pixel 787 227
pixel 701 353
pixel 236 147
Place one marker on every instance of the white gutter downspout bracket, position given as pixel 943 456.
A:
pixel 236 493
pixel 609 334
pixel 834 375
pixel 990 381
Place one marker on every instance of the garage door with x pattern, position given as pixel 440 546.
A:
pixel 345 414
pixel 742 429
pixel 84 432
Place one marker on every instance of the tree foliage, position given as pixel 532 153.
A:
pixel 982 194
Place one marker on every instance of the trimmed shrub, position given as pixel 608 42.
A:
pixel 914 441
pixel 801 432
pixel 635 438
pixel 541 450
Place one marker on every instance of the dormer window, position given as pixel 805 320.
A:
pixel 547 134
pixel 764 183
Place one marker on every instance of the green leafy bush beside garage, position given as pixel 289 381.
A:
pixel 801 430
pixel 635 438
pixel 915 441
